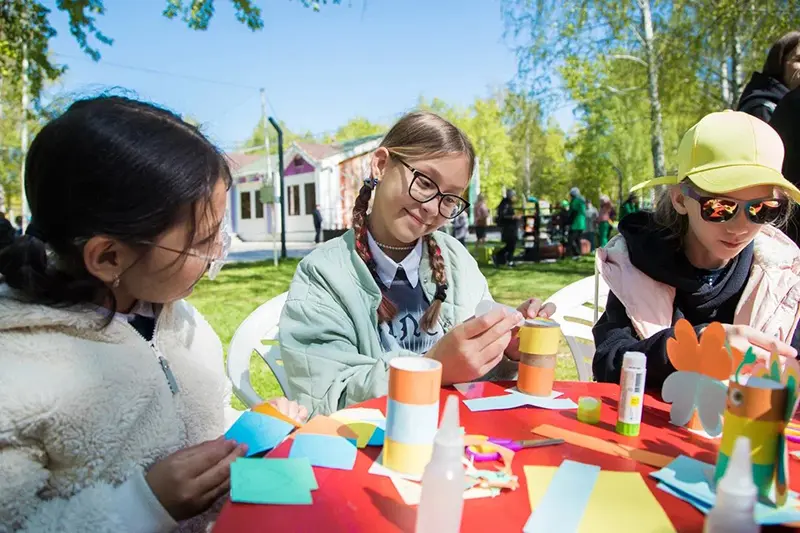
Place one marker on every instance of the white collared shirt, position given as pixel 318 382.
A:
pixel 386 267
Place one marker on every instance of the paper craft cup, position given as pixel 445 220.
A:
pixel 412 413
pixel 756 411
pixel 538 343
pixel 539 336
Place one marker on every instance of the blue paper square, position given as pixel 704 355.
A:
pixel 260 432
pixel 325 451
pixel 689 480
pixel 379 434
pixel 272 481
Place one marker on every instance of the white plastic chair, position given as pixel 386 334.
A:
pixel 578 307
pixel 258 332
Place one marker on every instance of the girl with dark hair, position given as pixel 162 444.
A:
pixel 111 390
pixel 394 285
pixel 780 75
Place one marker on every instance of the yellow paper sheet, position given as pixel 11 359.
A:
pixel 538 478
pixel 620 501
pixel 364 430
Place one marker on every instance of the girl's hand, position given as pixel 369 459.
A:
pixel 530 309
pixel 293 410
pixel 471 349
pixel 744 337
pixel 187 482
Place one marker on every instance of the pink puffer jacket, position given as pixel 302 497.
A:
pixel 770 302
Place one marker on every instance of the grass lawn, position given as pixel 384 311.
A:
pixel 240 288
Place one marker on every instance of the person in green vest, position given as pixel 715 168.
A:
pixel 577 221
pixel 605 217
pixel 631 205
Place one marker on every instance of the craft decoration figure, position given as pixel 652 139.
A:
pixel 412 413
pixel 760 408
pixel 538 344
pixel 696 389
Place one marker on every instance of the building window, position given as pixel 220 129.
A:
pixel 311 198
pixel 294 200
pixel 244 200
pixel 259 205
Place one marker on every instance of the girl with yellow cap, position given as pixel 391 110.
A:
pixel 711 252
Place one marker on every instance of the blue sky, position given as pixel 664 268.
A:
pixel 319 69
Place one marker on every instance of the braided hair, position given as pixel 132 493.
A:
pixel 418 134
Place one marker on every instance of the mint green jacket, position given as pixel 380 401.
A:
pixel 328 331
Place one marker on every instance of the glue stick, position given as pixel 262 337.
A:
pixel 631 394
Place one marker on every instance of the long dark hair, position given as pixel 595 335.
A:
pixel 775 65
pixel 108 166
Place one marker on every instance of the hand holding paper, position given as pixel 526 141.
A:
pixel 470 350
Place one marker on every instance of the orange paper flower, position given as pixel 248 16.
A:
pixel 709 356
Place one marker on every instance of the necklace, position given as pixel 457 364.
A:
pixel 395 248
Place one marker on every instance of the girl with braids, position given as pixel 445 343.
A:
pixel 112 395
pixel 393 285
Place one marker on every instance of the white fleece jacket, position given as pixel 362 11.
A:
pixel 85 410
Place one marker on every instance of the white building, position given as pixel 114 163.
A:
pixel 328 175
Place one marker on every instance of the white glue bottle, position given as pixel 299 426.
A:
pixel 443 482
pixel 631 394
pixel 736 495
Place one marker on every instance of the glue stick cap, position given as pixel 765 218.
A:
pixel 736 485
pixel 634 360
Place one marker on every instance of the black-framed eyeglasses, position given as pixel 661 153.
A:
pixel 423 189
pixel 721 209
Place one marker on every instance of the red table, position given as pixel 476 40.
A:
pixel 350 501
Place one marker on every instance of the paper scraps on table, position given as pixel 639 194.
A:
pixel 411 491
pixel 323 425
pixel 603 446
pixel 691 481
pixel 490 479
pixel 368 424
pixel 466 388
pixel 623 495
pixel 268 409
pixel 272 481
pixel 378 469
pixel 562 504
pixel 519 399
pixel 259 432
pixel 325 451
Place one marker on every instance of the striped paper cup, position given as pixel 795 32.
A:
pixel 412 413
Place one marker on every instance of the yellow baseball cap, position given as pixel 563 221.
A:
pixel 728 151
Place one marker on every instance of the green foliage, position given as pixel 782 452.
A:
pixel 355 128
pixel 197 13
pixel 26 23
pixel 241 288
pixel 492 143
pixel 594 53
pixel 25 32
pixel 256 139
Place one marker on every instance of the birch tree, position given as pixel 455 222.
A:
pixel 546 33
